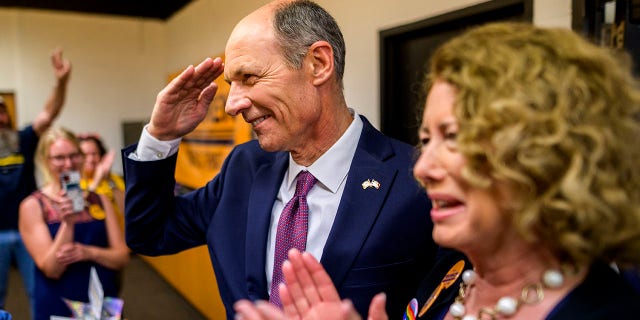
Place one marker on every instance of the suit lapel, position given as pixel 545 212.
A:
pixel 359 206
pixel 263 193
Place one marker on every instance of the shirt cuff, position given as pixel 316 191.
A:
pixel 150 148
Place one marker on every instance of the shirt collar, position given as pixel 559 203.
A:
pixel 332 167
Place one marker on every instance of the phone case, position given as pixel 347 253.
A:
pixel 71 184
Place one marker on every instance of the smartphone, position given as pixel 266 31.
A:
pixel 71 185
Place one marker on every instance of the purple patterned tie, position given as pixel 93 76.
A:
pixel 292 230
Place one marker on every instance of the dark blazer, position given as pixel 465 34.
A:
pixel 380 240
pixel 603 294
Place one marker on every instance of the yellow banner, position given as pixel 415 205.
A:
pixel 203 151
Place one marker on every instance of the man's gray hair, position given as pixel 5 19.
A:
pixel 299 24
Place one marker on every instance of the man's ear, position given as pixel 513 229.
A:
pixel 320 59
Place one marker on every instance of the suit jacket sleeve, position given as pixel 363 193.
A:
pixel 157 222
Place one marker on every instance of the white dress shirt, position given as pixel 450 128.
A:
pixel 330 170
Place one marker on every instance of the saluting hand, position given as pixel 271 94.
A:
pixel 184 102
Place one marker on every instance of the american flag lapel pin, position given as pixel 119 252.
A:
pixel 371 183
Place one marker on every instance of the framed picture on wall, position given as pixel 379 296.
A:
pixel 8 99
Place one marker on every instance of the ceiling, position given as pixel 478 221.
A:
pixel 154 9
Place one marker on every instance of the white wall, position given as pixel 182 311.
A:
pixel 360 21
pixel 201 29
pixel 119 64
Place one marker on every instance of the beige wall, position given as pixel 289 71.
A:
pixel 201 29
pixel 360 21
pixel 121 63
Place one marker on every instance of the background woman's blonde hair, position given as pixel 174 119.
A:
pixel 558 120
pixel 42 151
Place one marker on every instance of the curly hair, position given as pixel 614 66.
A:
pixel 42 150
pixel 557 119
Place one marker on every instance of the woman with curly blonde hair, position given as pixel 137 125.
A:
pixel 529 154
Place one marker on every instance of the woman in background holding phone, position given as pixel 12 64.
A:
pixel 66 243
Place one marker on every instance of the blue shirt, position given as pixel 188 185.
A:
pixel 17 178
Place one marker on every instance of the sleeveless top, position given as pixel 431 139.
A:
pixel 90 229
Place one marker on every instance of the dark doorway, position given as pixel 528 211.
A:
pixel 622 32
pixel 405 51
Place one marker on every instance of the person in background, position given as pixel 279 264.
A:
pixel 96 172
pixel 360 210
pixel 66 243
pixel 17 174
pixel 529 154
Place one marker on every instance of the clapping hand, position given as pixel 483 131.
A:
pixel 309 294
pixel 103 168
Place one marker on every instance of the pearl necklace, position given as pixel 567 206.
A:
pixel 506 306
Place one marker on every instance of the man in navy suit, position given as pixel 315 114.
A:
pixel 368 219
